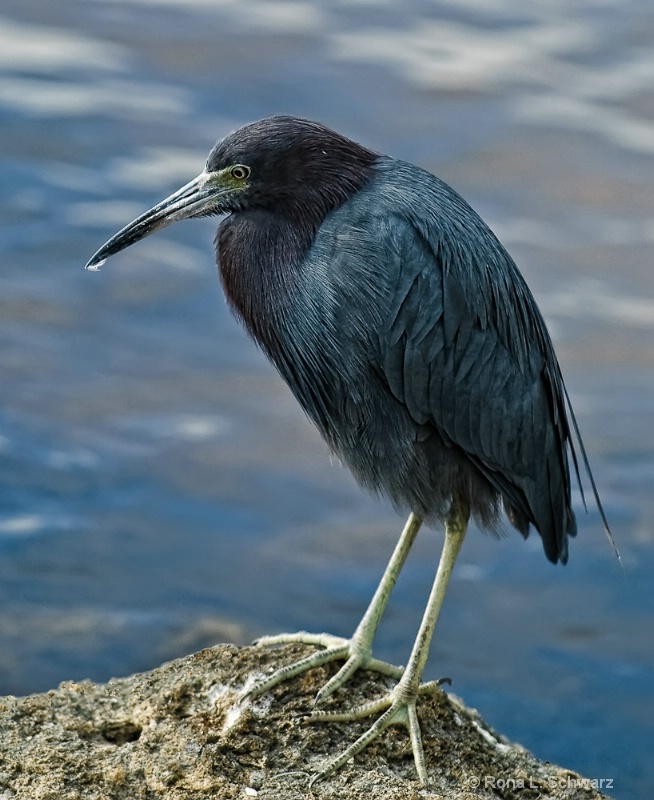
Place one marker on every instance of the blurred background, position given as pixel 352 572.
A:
pixel 161 491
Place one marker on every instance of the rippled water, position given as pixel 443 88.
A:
pixel 161 490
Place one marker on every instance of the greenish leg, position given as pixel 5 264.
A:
pixel 400 702
pixel 357 651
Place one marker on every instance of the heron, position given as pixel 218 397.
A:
pixel 410 339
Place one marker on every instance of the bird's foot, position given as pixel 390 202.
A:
pixel 399 708
pixel 356 655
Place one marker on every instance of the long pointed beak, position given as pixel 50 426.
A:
pixel 201 195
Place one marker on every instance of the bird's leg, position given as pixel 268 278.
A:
pixel 399 705
pixel 357 651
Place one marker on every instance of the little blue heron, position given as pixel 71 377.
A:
pixel 409 337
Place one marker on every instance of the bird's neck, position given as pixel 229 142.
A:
pixel 271 286
pixel 259 254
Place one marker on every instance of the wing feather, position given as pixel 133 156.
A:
pixel 451 329
pixel 468 352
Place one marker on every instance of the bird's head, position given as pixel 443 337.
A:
pixel 282 164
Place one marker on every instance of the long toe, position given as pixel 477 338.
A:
pixel 335 649
pixel 334 653
pixel 400 709
pixel 326 640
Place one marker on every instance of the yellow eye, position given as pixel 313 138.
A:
pixel 240 172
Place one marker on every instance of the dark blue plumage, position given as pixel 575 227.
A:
pixel 407 334
pixel 409 337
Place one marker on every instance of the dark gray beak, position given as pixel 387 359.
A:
pixel 201 196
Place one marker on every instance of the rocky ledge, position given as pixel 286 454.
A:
pixel 179 732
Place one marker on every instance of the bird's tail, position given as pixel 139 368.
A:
pixel 589 473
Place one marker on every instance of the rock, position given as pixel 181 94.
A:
pixel 178 733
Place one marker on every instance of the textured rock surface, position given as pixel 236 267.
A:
pixel 178 733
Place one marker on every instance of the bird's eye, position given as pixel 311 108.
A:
pixel 240 172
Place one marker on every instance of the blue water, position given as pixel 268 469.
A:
pixel 160 489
